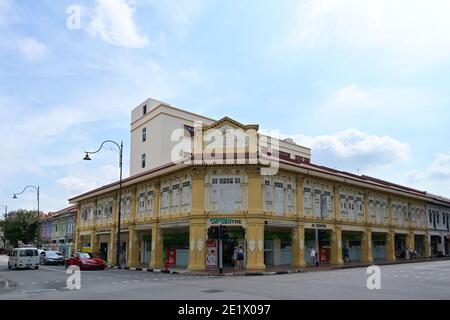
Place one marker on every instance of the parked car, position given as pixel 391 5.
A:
pixel 24 258
pixel 51 257
pixel 86 261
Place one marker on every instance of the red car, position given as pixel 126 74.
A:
pixel 86 261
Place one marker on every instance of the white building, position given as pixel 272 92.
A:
pixel 153 124
pixel 439 227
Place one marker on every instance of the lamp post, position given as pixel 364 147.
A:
pixel 2 239
pixel 87 158
pixel 37 221
pixel 6 209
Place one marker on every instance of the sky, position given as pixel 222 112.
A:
pixel 365 84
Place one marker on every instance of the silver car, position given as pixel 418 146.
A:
pixel 51 257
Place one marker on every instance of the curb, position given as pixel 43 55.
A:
pixel 269 273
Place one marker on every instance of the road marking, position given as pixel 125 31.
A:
pixel 45 282
pixel 124 281
pixel 114 282
pixel 33 283
pixel 47 268
pixel 441 278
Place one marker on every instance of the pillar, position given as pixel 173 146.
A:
pixel 366 247
pixel 390 246
pixel 156 260
pixel 426 245
pixel 254 191
pixel 336 203
pixel 410 241
pixel 298 247
pixel 255 245
pixel 336 246
pixel 300 197
pixel 112 247
pixel 198 192
pixel 197 244
pixel 156 196
pixel 133 247
pixel 133 204
pixel 94 242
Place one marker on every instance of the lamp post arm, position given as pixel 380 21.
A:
pixel 101 146
pixel 27 187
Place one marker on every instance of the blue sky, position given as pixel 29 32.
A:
pixel 364 83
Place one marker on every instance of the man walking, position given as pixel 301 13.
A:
pixel 312 254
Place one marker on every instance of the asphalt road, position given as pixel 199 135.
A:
pixel 428 280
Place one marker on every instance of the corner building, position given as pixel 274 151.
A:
pixel 172 207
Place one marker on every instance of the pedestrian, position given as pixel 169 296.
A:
pixel 240 257
pixel 312 254
pixel 235 254
pixel 346 254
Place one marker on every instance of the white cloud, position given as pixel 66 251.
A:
pixel 435 177
pixel 354 149
pixel 353 103
pixel 31 49
pixel 409 29
pixel 179 13
pixel 113 21
pixel 83 181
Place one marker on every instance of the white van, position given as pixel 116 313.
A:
pixel 24 258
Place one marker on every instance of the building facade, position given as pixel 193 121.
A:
pixel 266 197
pixel 439 229
pixel 57 230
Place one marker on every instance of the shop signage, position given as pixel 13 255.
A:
pixel 281 223
pixel 211 253
pixel 103 231
pixel 143 227
pixel 225 222
pixel 125 229
pixel 173 224
pixel 315 226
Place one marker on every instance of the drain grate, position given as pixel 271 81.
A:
pixel 213 291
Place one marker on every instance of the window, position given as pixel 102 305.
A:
pixel 128 205
pixel 343 202
pixel 431 216
pixel 186 193
pixel 144 109
pixel 175 195
pixel 279 197
pixel 141 202
pixel 268 195
pixel 326 204
pixel 307 198
pixel 150 201
pixel 290 197
pixel 318 203
pixel 143 160
pixel 188 131
pixel 85 215
pixel 165 197
pixel 144 134
pixel 226 193
pixel 284 155
pixel 437 218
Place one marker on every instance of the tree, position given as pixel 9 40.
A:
pixel 20 225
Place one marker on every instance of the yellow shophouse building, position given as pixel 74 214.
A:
pixel 264 192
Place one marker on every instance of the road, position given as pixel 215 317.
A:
pixel 428 280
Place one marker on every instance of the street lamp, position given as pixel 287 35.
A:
pixel 37 192
pixel 87 158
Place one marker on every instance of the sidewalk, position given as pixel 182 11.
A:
pixel 279 269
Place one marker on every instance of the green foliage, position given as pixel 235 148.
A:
pixel 20 225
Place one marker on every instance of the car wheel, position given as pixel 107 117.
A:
pixel 37 267
pixel 15 266
pixel 9 266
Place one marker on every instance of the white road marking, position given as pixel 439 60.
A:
pixel 47 268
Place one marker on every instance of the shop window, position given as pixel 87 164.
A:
pixel 165 198
pixel 279 197
pixel 150 201
pixel 318 203
pixel 186 193
pixel 175 195
pixel 307 198
pixel 141 202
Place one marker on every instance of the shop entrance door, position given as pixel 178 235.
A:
pixel 104 251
